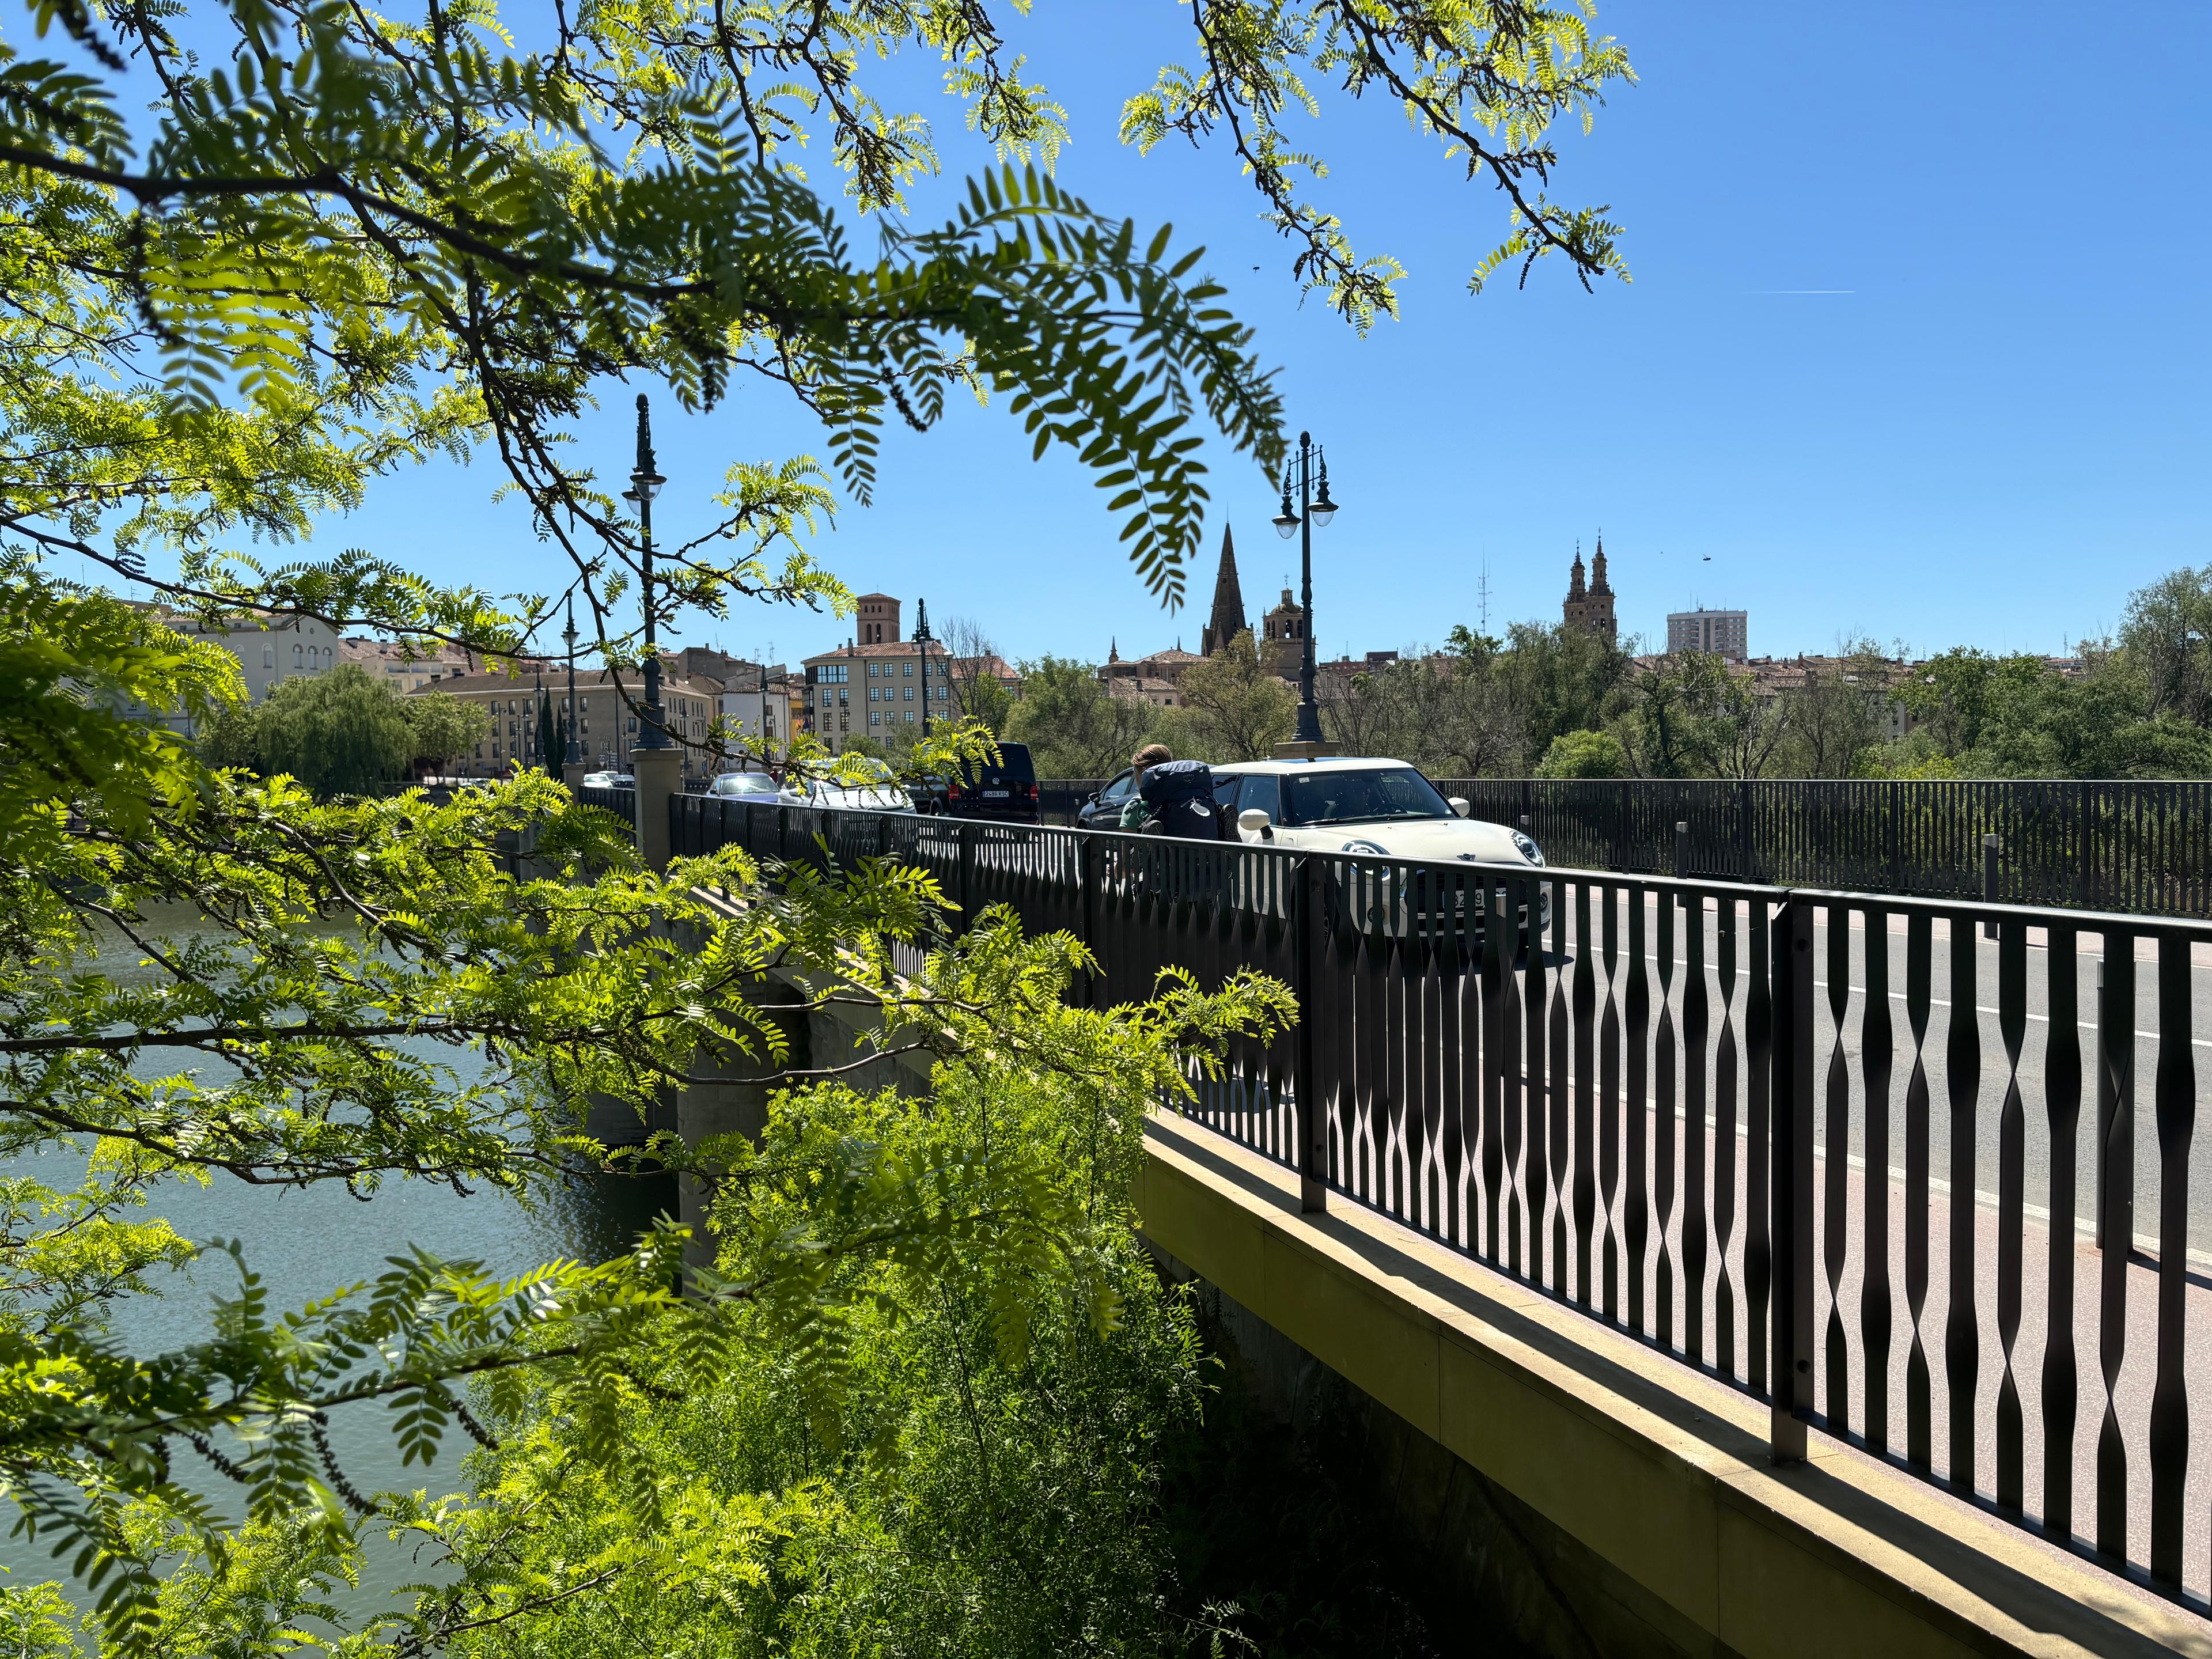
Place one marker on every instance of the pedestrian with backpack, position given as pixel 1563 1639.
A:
pixel 1176 795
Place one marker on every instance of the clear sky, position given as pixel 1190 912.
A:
pixel 1917 346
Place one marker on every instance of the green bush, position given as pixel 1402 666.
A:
pixel 1584 755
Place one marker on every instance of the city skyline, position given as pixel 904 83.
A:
pixel 1915 414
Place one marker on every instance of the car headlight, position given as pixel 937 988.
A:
pixel 1528 849
pixel 1364 846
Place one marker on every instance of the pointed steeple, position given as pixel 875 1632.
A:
pixel 1227 621
pixel 1114 649
pixel 1598 584
pixel 1575 588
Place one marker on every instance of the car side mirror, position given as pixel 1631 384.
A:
pixel 1255 821
pixel 1458 804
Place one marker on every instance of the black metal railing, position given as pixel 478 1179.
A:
pixel 1931 1164
pixel 2144 848
pixel 622 803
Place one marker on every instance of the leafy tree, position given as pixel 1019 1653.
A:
pixel 337 732
pixel 1075 728
pixel 1832 721
pixel 1557 679
pixel 445 726
pixel 339 243
pixel 548 754
pixel 1585 755
pixel 1236 710
pixel 1446 713
pixel 2167 634
pixel 1696 716
pixel 341 732
pixel 978 693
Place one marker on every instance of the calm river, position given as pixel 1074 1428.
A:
pixel 305 1244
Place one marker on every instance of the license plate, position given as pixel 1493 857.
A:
pixel 995 794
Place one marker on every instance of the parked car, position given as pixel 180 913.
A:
pixel 1006 792
pixel 609 781
pixel 1378 807
pixel 882 795
pixel 746 786
pixel 1104 810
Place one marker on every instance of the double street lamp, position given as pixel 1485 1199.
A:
pixel 1309 470
pixel 644 484
pixel 922 640
pixel 575 753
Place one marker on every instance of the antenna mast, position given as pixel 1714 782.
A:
pixel 1482 597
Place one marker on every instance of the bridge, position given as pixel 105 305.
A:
pixel 1803 1270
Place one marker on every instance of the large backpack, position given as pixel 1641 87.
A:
pixel 1181 795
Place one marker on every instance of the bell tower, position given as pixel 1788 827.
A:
pixel 1590 603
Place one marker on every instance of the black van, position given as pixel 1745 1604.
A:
pixel 1006 792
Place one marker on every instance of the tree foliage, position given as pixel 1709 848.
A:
pixel 342 732
pixel 1075 728
pixel 257 256
pixel 1235 708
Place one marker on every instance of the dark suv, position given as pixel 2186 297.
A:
pixel 1006 792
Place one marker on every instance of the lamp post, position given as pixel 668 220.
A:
pixel 574 756
pixel 921 643
pixel 644 484
pixel 1310 469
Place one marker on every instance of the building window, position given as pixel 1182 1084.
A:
pixel 909 670
pixel 909 713
pixel 296 656
pixel 268 655
pixel 909 698
pixel 875 718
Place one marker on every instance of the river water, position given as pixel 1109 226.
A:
pixel 306 1244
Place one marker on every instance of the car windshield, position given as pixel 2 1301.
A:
pixel 745 783
pixel 1346 796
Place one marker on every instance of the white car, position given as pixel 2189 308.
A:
pixel 756 786
pixel 1378 807
pixel 609 781
pixel 841 796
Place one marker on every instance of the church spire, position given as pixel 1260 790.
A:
pixel 1227 621
pixel 1114 649
pixel 1575 589
pixel 1598 584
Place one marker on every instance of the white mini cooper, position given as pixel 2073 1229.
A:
pixel 1381 808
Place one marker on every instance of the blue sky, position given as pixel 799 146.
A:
pixel 1989 437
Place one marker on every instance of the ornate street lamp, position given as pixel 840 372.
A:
pixel 1310 470
pixel 644 484
pixel 575 755
pixel 921 643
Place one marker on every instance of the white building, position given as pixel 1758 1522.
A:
pixel 1714 633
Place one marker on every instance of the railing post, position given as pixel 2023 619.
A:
pixel 659 773
pixel 1790 1194
pixel 1086 878
pixel 1988 882
pixel 1313 1169
pixel 967 875
pixel 1896 836
pixel 1744 870
pixel 1681 849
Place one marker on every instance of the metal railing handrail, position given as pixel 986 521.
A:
pixel 1715 1115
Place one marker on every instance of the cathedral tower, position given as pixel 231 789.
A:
pixel 1228 619
pixel 1590 606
